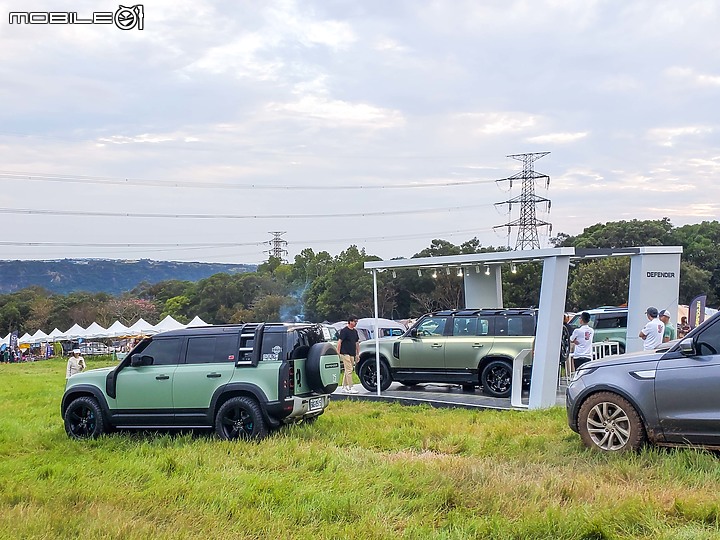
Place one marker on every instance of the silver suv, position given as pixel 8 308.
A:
pixel 669 398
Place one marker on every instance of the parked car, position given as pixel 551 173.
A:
pixel 241 380
pixel 609 323
pixel 469 347
pixel 667 398
pixel 91 348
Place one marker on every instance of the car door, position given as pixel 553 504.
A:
pixel 426 351
pixel 209 362
pixel 686 391
pixel 470 341
pixel 147 389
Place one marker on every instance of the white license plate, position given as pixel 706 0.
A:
pixel 316 404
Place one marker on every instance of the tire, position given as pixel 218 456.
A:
pixel 564 345
pixel 496 378
pixel 240 418
pixel 609 423
pixel 367 372
pixel 84 419
pixel 314 369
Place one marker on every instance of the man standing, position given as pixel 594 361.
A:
pixel 582 339
pixel 652 332
pixel 349 350
pixel 670 333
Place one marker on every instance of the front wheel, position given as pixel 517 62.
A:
pixel 496 378
pixel 240 418
pixel 367 372
pixel 610 423
pixel 84 419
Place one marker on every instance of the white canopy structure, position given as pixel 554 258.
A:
pixel 95 331
pixel 168 323
pixel 25 338
pixel 38 337
pixel 117 329
pixel 197 321
pixel 142 328
pixel 56 335
pixel 74 332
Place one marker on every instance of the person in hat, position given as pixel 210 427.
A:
pixel 670 332
pixel 76 364
pixel 652 332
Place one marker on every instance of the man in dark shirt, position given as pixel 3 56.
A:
pixel 349 349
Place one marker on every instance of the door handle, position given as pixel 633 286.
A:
pixel 162 377
pixel 477 345
pixel 436 345
pixel 213 375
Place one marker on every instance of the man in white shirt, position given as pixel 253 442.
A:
pixel 582 338
pixel 652 332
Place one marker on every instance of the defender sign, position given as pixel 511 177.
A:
pixel 125 18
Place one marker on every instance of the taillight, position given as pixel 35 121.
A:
pixel 291 379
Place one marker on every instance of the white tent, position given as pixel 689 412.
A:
pixel 75 331
pixel 168 323
pixel 117 329
pixel 5 340
pixel 95 331
pixel 25 338
pixel 38 337
pixel 56 335
pixel 197 321
pixel 141 328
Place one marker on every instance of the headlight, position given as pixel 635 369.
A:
pixel 580 372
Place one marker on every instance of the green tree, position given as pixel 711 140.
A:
pixel 599 282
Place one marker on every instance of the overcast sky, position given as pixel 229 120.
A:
pixel 355 121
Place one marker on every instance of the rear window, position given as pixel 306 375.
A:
pixel 212 349
pixel 515 325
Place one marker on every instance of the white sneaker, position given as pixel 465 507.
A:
pixel 345 390
pixel 352 391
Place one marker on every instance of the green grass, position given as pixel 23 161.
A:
pixel 364 470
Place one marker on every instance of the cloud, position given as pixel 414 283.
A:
pixel 689 74
pixel 340 112
pixel 669 136
pixel 557 138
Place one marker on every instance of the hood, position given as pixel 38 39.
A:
pixel 631 358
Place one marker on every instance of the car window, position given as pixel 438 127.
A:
pixel 211 349
pixel 164 351
pixel 615 321
pixel 465 326
pixel 432 326
pixel 518 325
pixel 708 341
pixel 484 327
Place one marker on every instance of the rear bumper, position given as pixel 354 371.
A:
pixel 301 406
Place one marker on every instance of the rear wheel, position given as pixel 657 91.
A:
pixel 367 372
pixel 610 423
pixel 84 419
pixel 496 378
pixel 240 418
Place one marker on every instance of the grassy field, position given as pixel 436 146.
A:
pixel 364 470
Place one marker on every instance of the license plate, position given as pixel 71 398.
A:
pixel 316 404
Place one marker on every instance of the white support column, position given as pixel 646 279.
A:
pixel 543 387
pixel 654 281
pixel 377 333
pixel 483 290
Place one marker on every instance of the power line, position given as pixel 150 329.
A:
pixel 106 180
pixel 149 215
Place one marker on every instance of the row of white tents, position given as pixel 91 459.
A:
pixel 95 331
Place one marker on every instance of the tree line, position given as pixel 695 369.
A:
pixel 319 286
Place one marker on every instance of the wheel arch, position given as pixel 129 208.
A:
pixel 232 390
pixel 652 434
pixel 85 390
pixel 491 358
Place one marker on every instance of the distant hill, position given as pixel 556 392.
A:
pixel 104 275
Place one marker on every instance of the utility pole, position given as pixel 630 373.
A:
pixel 527 223
pixel 278 245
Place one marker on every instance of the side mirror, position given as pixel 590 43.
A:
pixel 141 360
pixel 687 347
pixel 413 332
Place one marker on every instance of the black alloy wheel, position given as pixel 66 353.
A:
pixel 368 375
pixel 497 379
pixel 240 418
pixel 83 419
